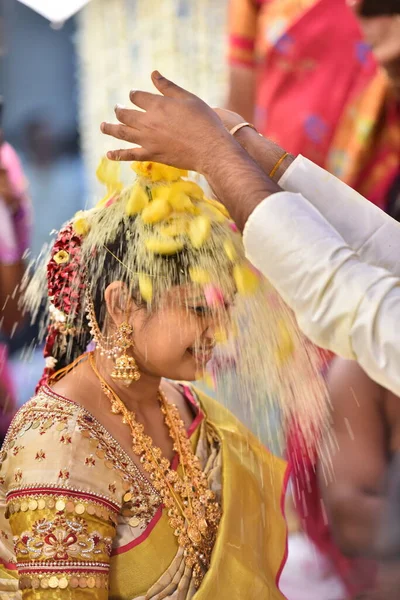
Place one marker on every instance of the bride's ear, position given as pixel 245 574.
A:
pixel 120 304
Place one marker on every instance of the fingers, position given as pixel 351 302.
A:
pixel 121 132
pixel 129 116
pixel 131 154
pixel 143 100
pixel 167 87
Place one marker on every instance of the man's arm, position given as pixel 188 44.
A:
pixel 342 302
pixel 354 498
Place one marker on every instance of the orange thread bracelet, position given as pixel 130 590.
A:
pixel 278 164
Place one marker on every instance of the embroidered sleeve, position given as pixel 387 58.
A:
pixel 62 541
pixel 59 503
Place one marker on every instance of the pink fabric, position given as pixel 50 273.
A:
pixel 310 80
pixel 15 228
pixel 309 76
pixel 14 240
pixel 7 393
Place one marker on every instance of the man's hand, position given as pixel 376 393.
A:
pixel 179 129
pixel 176 128
pixel 229 118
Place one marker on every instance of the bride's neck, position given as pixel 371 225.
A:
pixel 139 395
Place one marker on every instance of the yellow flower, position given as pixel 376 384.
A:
pixel 157 171
pixel 81 224
pixel 156 211
pixel 181 203
pixel 199 275
pixel 218 206
pixel 146 287
pixel 285 347
pixel 216 214
pixel 190 188
pixel 175 227
pixel 163 245
pixel 109 173
pixel 246 280
pixel 61 257
pixel 207 379
pixel 199 231
pixel 137 201
pixel 230 250
pixel 220 335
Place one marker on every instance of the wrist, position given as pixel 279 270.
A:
pixel 238 182
pixel 264 152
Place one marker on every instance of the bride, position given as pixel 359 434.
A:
pixel 116 480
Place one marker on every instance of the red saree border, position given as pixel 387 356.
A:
pixel 8 566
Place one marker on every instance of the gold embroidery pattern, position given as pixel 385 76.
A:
pixel 72 580
pixel 62 501
pixel 63 474
pixel 40 413
pixel 141 500
pixel 66 439
pixel 47 411
pixel 61 538
pixel 90 461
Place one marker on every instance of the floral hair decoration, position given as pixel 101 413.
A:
pixel 164 231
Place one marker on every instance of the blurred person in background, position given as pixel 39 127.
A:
pixel 366 424
pixel 15 226
pixel 303 71
pixel 56 179
pixel 343 516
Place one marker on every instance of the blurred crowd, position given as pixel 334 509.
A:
pixel 321 78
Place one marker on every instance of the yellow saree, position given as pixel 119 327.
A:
pixel 79 521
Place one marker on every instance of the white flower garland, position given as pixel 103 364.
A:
pixel 120 42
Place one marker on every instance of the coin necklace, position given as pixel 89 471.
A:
pixel 193 511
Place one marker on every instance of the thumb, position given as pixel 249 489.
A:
pixel 167 87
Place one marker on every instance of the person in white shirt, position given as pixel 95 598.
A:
pixel 330 254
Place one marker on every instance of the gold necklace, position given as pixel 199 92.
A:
pixel 193 512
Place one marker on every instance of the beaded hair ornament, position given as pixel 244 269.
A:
pixel 161 232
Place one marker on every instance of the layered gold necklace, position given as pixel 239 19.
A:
pixel 192 509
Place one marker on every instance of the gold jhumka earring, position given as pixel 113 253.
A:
pixel 125 368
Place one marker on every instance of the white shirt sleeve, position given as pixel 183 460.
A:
pixel 341 302
pixel 364 227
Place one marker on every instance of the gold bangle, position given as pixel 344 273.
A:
pixel 278 164
pixel 240 126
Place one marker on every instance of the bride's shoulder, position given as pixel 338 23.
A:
pixel 40 413
pixel 53 441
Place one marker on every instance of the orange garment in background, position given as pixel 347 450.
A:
pixel 319 90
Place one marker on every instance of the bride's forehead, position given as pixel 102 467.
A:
pixel 184 293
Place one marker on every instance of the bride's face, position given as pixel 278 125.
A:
pixel 177 340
